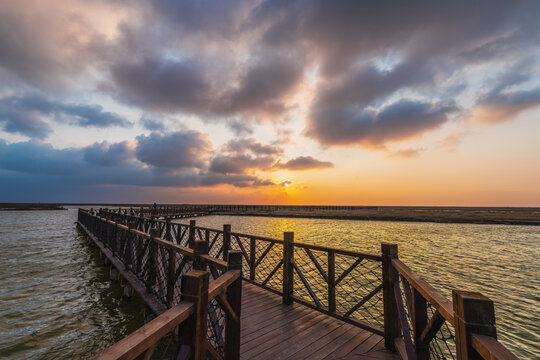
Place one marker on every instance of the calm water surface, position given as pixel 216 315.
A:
pixel 56 301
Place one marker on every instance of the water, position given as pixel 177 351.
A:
pixel 56 300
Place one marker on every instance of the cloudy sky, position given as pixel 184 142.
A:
pixel 276 102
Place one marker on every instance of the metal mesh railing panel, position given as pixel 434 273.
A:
pixel 242 243
pixel 313 276
pixel 216 327
pixel 267 265
pixel 443 346
pixel 357 284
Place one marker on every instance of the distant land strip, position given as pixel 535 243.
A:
pixel 31 206
pixel 439 214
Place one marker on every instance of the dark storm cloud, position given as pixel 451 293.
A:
pixel 27 115
pixel 302 163
pixel 397 121
pixel 181 149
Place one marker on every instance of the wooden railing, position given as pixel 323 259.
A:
pixel 344 284
pixel 375 292
pixel 421 323
pixel 174 282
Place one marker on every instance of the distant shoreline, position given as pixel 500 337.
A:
pixel 390 218
pixel 25 206
pixel 435 214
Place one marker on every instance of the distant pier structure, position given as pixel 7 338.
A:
pixel 219 294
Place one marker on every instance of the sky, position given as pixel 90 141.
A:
pixel 270 102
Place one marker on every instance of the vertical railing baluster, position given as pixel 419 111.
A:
pixel 288 276
pixel 331 281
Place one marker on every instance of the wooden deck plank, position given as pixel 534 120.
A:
pixel 270 330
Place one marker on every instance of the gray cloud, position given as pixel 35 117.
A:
pixel 503 102
pixel 172 151
pixel 152 123
pixel 240 163
pixel 305 163
pixel 264 85
pixel 102 164
pixel 27 115
pixel 161 84
pixel 242 155
pixel 106 154
pixel 394 122
pixel 251 144
pixel 48 48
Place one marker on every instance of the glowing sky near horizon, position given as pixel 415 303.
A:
pixel 297 102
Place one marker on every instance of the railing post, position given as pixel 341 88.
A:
pixel 191 238
pixel 419 323
pixel 234 298
pixel 288 276
pixel 226 240
pixel 152 254
pixel 389 276
pixel 199 248
pixel 168 235
pixel 473 314
pixel 252 252
pixel 192 332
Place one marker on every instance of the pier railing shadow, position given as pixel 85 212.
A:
pixel 374 292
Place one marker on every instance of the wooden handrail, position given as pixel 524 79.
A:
pixel 221 283
pixel 435 298
pixel 489 348
pixel 148 335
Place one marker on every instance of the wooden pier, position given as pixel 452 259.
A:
pixel 219 294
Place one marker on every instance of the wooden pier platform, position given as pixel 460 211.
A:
pixel 222 295
pixel 271 330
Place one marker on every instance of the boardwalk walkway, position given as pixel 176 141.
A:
pixel 271 330
pixel 295 300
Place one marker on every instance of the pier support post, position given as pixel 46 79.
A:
pixel 473 314
pixel 392 328
pixel 288 275
pixel 192 332
pixel 226 240
pixel 114 274
pixel 234 298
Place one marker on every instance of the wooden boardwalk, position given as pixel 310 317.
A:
pixel 270 330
